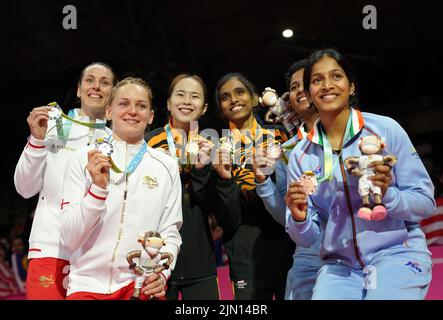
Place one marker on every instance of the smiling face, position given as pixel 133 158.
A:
pixel 236 101
pixel 329 86
pixel 94 90
pixel 130 112
pixel 187 101
pixel 297 95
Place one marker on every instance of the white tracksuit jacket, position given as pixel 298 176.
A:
pixel 40 169
pixel 101 228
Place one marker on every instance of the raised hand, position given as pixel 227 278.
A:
pixel 98 167
pixel 38 122
pixel 222 163
pixel 262 165
pixel 296 200
pixel 204 154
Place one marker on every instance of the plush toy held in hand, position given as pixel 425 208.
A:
pixel 371 148
pixel 149 259
pixel 280 110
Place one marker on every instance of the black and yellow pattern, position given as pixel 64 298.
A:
pixel 157 139
pixel 245 145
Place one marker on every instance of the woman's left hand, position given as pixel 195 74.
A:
pixel 154 286
pixel 382 178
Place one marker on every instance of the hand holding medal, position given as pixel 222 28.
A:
pixel 224 158
pixel 309 182
pixel 297 196
pixel 204 153
pixel 99 163
pixel 38 121
pixel 264 162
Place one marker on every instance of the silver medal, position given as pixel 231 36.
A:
pixel 104 147
pixel 55 112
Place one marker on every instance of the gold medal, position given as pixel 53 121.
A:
pixel 192 147
pixel 227 146
pixel 309 182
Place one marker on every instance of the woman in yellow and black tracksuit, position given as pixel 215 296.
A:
pixel 195 273
pixel 258 248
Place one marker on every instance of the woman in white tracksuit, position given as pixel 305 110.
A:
pixel 40 170
pixel 111 199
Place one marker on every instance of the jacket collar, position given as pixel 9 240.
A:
pixel 354 126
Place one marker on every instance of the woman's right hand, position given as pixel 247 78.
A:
pixel 222 164
pixel 38 122
pixel 98 167
pixel 297 201
pixel 262 165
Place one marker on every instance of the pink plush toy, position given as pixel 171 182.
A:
pixel 371 148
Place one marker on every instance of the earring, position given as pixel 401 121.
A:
pixel 352 94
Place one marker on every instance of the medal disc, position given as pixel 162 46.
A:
pixel 274 150
pixel 192 148
pixel 55 112
pixel 104 147
pixel 309 182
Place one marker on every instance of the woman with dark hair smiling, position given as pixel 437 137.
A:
pixel 385 257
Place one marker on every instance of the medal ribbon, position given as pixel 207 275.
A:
pixel 327 149
pixel 171 144
pixel 64 129
pixel 134 162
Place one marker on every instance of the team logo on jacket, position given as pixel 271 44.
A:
pixel 414 266
pixel 150 182
pixel 46 281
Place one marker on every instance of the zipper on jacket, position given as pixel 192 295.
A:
pixel 122 219
pixel 351 213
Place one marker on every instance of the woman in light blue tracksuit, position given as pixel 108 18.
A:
pixel 306 261
pixel 385 259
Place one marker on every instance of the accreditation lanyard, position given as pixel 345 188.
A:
pixel 134 162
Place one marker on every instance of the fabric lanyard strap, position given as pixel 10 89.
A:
pixel 134 162
pixel 63 129
pixel 327 151
pixel 171 144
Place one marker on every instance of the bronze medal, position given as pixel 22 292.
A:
pixel 309 182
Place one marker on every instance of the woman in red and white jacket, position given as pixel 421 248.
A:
pixel 110 199
pixel 40 170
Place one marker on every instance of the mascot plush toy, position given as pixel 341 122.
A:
pixel 149 259
pixel 280 110
pixel 371 148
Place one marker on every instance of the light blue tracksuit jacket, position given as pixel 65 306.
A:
pixel 394 248
pixel 306 261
